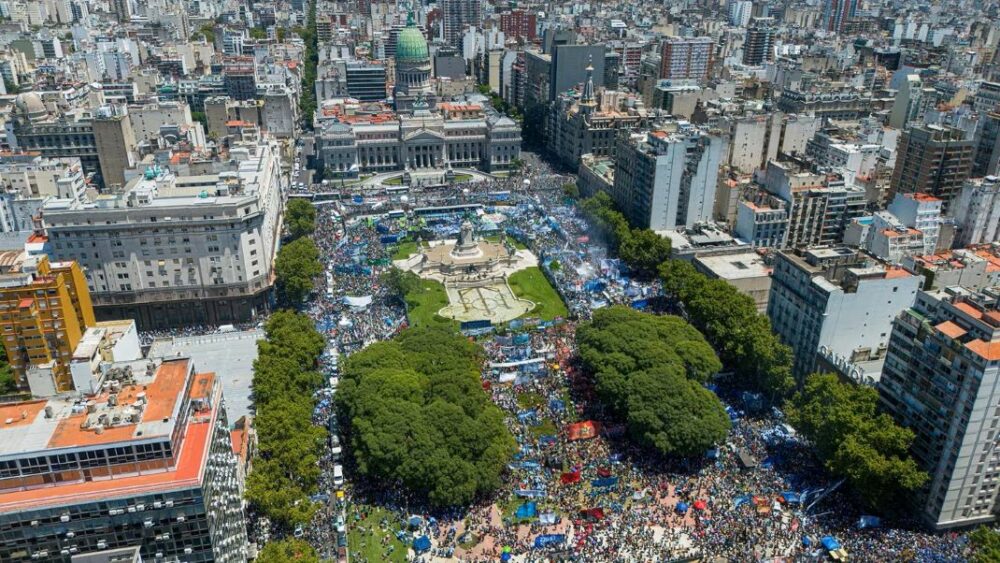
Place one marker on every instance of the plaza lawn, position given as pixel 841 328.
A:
pixel 529 400
pixel 372 535
pixel 532 285
pixel 426 302
pixel 404 250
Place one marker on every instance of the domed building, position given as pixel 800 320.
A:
pixel 413 68
pixel 30 106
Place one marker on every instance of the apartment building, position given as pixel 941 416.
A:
pixel 666 180
pixel 687 57
pixel 940 379
pixel 45 308
pixel 836 302
pixel 933 159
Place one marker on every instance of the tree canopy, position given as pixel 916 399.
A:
pixel 286 471
pixel 985 544
pixel 855 440
pixel 295 267
pixel 288 551
pixel 649 371
pixel 730 322
pixel 641 249
pixel 417 415
pixel 300 218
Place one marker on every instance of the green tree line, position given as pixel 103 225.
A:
pixel 297 263
pixel 416 414
pixel 852 438
pixel 307 99
pixel 654 382
pixel 286 471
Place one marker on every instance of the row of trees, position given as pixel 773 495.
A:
pixel 642 249
pixel 653 382
pixel 297 263
pixel 856 441
pixel 307 101
pixel 286 472
pixel 417 416
pixel 852 438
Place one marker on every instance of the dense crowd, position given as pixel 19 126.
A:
pixel 596 497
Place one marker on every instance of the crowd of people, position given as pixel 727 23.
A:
pixel 588 493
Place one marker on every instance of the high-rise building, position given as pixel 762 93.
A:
pixel 147 461
pixel 986 162
pixel 759 45
pixel 836 14
pixel 906 104
pixel 666 180
pixel 941 379
pixel 740 12
pixel 687 57
pixel 806 208
pixel 932 159
pixel 115 143
pixel 239 74
pixel 45 308
pixel 519 24
pixel 457 15
pixel 977 212
pixel 836 303
pixel 165 243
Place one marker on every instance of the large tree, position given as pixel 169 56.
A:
pixel 417 415
pixel 300 218
pixel 856 441
pixel 288 551
pixel 649 370
pixel 730 322
pixel 295 267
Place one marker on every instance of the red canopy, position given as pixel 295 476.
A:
pixel 582 430
pixel 700 505
pixel 570 478
pixel 603 472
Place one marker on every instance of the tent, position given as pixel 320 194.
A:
pixel 868 521
pixel 830 543
pixel 740 501
pixel 546 540
pixel 700 505
pixel 582 430
pixel 570 478
pixel 791 497
pixel 746 460
pixel 415 521
pixel 682 507
pixel 596 513
pixel 547 518
pixel 421 544
pixel 358 303
pixel 527 510
pixel 605 482
pixel 603 472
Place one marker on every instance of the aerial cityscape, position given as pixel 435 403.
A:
pixel 357 281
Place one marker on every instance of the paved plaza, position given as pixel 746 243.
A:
pixel 494 301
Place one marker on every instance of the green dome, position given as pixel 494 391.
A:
pixel 411 44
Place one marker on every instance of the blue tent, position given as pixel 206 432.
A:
pixel 806 542
pixel 868 521
pixel 415 521
pixel 830 543
pixel 527 510
pixel 421 544
pixel 740 501
pixel 605 482
pixel 682 507
pixel 791 498
pixel 546 540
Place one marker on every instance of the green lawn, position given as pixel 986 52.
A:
pixel 404 250
pixel 425 303
pixel 397 181
pixel 529 400
pixel 496 238
pixel 546 428
pixel 369 542
pixel 531 284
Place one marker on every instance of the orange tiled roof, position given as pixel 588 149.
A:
pixel 950 329
pixel 969 310
pixel 989 351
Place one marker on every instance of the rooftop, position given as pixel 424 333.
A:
pixel 146 404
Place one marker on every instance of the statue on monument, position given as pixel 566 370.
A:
pixel 465 240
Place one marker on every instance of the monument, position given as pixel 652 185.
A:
pixel 474 273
